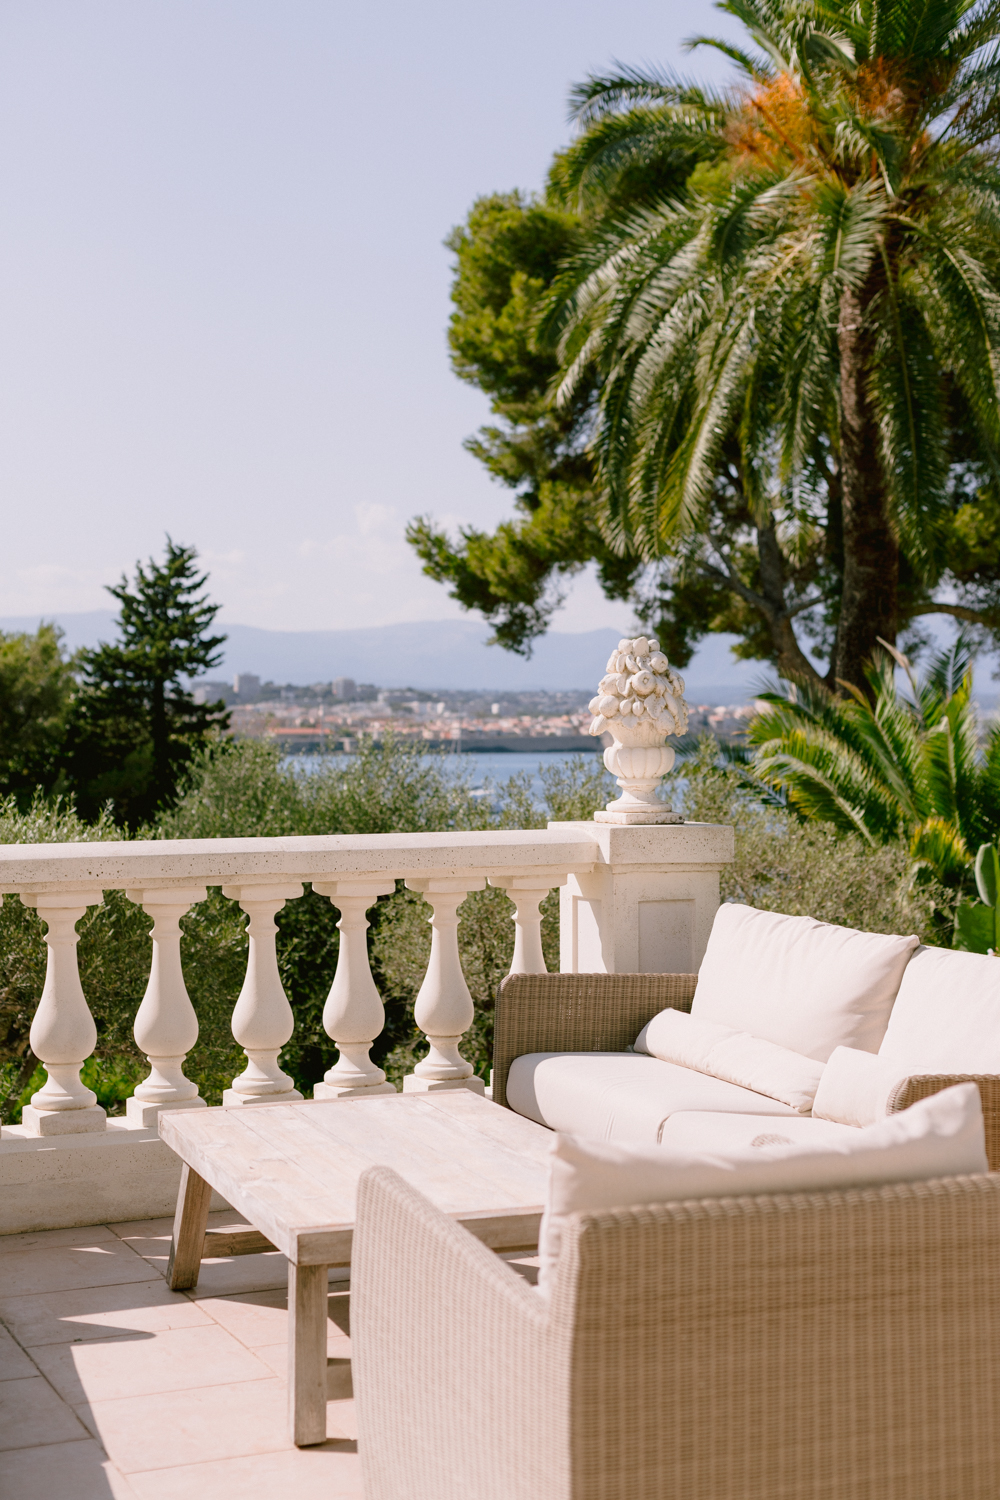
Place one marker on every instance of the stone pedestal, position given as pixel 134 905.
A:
pixel 232 1098
pixel 142 1115
pixel 413 1084
pixel 324 1090
pixel 63 1121
pixel 648 905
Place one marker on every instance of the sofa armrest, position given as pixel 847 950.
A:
pixel 460 1390
pixel 920 1086
pixel 578 1013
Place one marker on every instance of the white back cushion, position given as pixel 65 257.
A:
pixel 805 985
pixel 735 1056
pixel 938 1137
pixel 947 1015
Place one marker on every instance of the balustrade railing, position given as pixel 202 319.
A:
pixel 168 878
pixel 632 899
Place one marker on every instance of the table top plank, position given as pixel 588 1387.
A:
pixel 292 1169
pixel 454 1166
pixel 515 1132
pixel 263 1183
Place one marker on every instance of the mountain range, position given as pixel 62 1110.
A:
pixel 429 654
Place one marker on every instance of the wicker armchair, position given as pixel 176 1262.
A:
pixel 827 1346
pixel 605 1012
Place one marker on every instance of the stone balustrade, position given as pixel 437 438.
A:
pixel 637 899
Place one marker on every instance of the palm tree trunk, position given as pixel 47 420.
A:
pixel 869 603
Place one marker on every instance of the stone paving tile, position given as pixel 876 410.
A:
pixel 219 1276
pixel 14 1363
pixel 63 1471
pixel 192 1427
pixel 329 1472
pixel 275 1356
pixel 88 1313
pixel 52 1239
pixel 243 1273
pixel 32 1415
pixel 93 1264
pixel 258 1318
pixel 161 1229
pixel 179 1359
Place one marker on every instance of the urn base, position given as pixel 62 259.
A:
pixel 627 815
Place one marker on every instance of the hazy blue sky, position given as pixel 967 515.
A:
pixel 223 291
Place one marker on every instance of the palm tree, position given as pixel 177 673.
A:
pixel 826 293
pixel 886 766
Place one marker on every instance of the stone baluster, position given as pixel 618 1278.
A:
pixel 527 893
pixel 166 1027
pixel 63 1034
pixel 353 1014
pixel 444 1008
pixel 262 1020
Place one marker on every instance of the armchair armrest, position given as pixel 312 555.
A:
pixel 578 1013
pixel 920 1086
pixel 459 1387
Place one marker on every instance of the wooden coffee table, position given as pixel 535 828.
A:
pixel 292 1171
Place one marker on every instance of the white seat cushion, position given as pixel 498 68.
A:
pixel 706 1132
pixel 620 1096
pixel 938 1137
pixel 947 1015
pixel 805 985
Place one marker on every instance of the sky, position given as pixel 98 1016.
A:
pixel 224 293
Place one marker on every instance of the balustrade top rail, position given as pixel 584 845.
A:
pixel 148 864
pixel 35 868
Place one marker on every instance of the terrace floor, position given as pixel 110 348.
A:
pixel 111 1386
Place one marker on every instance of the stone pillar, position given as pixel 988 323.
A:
pixel 527 893
pixel 353 1014
pixel 166 1027
pixel 649 903
pixel 63 1033
pixel 444 1008
pixel 262 1020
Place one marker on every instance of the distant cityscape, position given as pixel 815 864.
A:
pixel 332 716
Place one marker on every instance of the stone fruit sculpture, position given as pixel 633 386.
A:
pixel 639 701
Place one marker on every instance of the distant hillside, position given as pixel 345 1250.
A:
pixel 428 654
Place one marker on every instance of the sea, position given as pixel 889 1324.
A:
pixel 484 769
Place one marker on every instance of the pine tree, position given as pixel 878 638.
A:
pixel 135 724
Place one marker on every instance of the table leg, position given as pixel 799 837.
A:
pixel 190 1223
pixel 307 1295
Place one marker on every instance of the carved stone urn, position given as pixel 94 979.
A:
pixel 639 703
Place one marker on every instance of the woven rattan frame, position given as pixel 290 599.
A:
pixel 578 1013
pixel 826 1346
pixel 921 1086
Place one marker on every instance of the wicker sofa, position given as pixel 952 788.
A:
pixel 539 1013
pixel 822 1346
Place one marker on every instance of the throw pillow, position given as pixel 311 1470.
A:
pixel 855 1087
pixel 735 1056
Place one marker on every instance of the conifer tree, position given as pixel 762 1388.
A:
pixel 136 723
